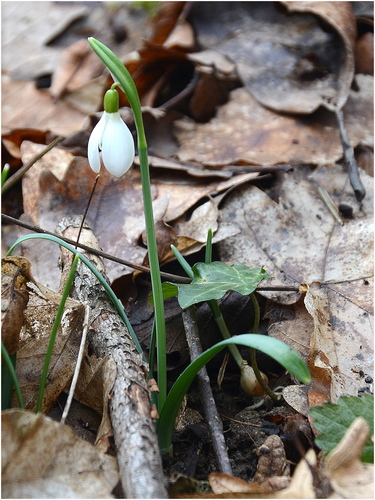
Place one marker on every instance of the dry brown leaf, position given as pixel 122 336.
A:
pixel 76 75
pixel 15 274
pixel 296 397
pixel 340 18
pixel 182 194
pixel 44 459
pixel 243 131
pixel 152 69
pixel 349 477
pixel 39 316
pixel 292 324
pixel 181 38
pixel 288 61
pixel 223 483
pixel 296 238
pixel 27 30
pixel 28 107
pixel 165 20
pixel 341 344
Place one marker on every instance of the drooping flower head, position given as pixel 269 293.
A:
pixel 113 138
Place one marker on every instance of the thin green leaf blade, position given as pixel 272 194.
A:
pixel 275 348
pixel 213 280
pixel 333 420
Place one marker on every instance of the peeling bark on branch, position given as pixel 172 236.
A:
pixel 138 453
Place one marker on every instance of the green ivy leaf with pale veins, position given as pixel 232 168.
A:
pixel 212 281
pixel 333 420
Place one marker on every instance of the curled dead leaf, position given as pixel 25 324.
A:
pixel 39 316
pixel 351 478
pixel 16 273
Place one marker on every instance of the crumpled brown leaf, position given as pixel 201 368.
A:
pixel 38 319
pixel 290 63
pixel 243 131
pixel 44 459
pixel 16 273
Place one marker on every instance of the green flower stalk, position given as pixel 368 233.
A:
pixel 123 79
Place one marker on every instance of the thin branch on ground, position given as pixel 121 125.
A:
pixel 349 159
pixel 213 419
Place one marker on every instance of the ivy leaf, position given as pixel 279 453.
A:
pixel 333 420
pixel 212 281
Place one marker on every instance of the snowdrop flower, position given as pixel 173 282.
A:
pixel 113 138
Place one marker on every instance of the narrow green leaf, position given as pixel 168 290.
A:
pixel 275 348
pixel 212 281
pixel 333 420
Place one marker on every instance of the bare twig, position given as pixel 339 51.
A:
pixel 95 251
pixel 212 416
pixel 19 174
pixel 349 159
pixel 78 364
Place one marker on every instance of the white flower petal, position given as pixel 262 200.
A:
pixel 117 146
pixel 95 143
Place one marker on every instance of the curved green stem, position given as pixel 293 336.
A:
pixel 215 309
pixel 9 379
pixel 253 359
pixel 122 75
pixel 55 329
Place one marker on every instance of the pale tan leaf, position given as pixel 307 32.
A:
pixel 351 478
pixel 44 459
pixel 39 316
pixel 27 30
pixel 298 241
pixel 28 107
pixel 340 344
